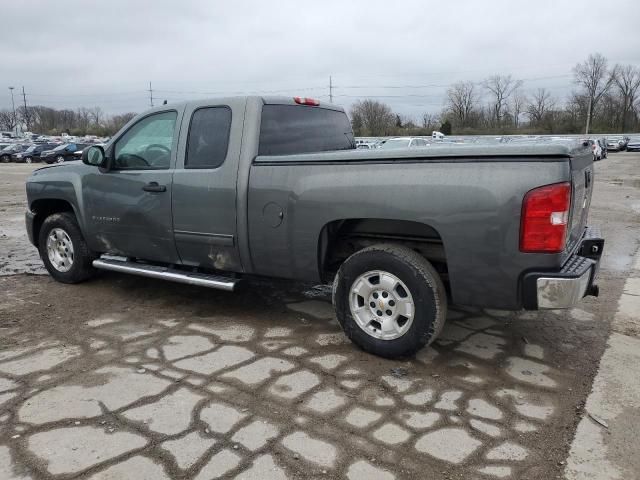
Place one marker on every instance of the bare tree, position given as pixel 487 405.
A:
pixel 500 88
pixel 430 121
pixel 7 120
pixel 518 102
pixel 593 76
pixel 540 104
pixel 96 115
pixel 116 122
pixel 83 118
pixel 627 81
pixel 461 100
pixel 370 117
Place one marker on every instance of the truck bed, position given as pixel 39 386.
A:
pixel 470 195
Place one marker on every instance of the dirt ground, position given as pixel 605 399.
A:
pixel 124 377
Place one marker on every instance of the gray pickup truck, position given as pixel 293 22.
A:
pixel 211 192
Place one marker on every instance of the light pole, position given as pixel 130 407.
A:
pixel 15 119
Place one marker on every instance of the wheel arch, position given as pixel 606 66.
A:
pixel 43 207
pixel 339 239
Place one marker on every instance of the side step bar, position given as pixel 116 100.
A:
pixel 122 264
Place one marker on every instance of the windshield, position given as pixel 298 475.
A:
pixel 60 147
pixel 31 148
pixel 396 143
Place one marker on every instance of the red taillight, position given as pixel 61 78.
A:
pixel 306 101
pixel 545 217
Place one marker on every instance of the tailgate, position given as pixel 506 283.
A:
pixel 582 187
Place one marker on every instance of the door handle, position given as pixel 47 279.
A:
pixel 154 187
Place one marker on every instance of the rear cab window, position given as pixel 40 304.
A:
pixel 297 129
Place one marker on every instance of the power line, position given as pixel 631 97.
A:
pixel 240 92
pixel 138 92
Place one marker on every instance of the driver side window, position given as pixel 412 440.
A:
pixel 147 145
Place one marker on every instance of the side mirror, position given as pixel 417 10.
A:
pixel 94 156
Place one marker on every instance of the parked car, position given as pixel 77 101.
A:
pixel 366 146
pixel 8 151
pixel 32 153
pixel 603 146
pixel 596 150
pixel 615 144
pixel 634 144
pixel 181 194
pixel 62 153
pixel 404 142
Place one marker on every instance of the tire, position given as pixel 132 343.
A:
pixel 414 276
pixel 59 159
pixel 28 160
pixel 76 261
pixel 5 159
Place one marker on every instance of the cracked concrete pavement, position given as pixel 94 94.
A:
pixel 124 377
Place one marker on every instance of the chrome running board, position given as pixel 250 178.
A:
pixel 123 265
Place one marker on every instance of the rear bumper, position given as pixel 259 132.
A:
pixel 574 281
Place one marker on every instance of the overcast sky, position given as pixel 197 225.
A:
pixel 84 53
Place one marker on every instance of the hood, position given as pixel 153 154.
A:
pixel 55 168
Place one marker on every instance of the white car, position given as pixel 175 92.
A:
pixel 404 142
pixel 596 149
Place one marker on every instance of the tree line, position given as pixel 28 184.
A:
pixel 51 121
pixel 604 100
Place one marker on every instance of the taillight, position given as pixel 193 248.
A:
pixel 545 218
pixel 306 101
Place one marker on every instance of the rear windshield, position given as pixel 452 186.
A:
pixel 292 129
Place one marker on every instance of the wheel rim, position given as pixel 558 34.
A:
pixel 27 160
pixel 381 305
pixel 60 159
pixel 60 250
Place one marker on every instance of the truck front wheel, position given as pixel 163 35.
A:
pixel 389 300
pixel 63 250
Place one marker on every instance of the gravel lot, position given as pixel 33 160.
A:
pixel 124 377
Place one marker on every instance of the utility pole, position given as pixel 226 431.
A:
pixel 15 118
pixel 586 131
pixel 27 117
pixel 150 95
pixel 330 90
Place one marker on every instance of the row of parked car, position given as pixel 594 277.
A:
pixel 47 152
pixel 620 142
pixel 599 146
pixel 602 146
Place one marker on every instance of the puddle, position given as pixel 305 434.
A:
pixel 619 182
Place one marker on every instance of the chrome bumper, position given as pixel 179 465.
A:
pixel 562 292
pixel 575 280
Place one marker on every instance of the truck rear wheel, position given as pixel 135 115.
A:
pixel 389 300
pixel 63 250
